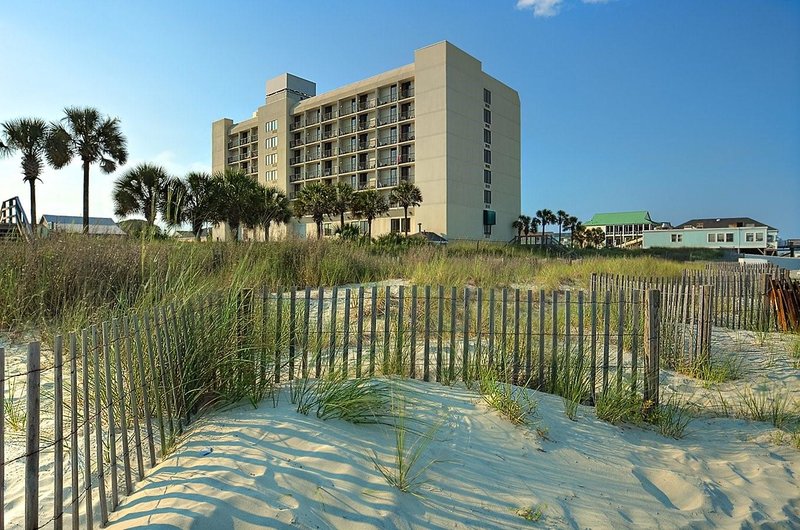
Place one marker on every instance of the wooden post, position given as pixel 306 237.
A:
pixel 636 301
pixel 112 422
pixel 540 375
pixel 346 333
pixel 465 351
pixel 123 418
pixel 478 331
pixel 439 335
pixel 387 319
pixel 132 388
pixel 58 433
pixel 620 337
pixel 73 441
pixel 504 333
pixel 292 331
pixel 87 447
pixel 157 381
pixel 332 331
pixel 491 328
pixel 515 360
pixel 567 334
pixel 529 340
pixel 306 332
pixel 412 372
pixel 399 338
pixel 581 357
pixel 426 362
pixel 32 438
pixel 320 311
pixel 651 354
pixel 451 364
pixel 360 331
pixel 373 324
pixel 606 338
pixel 148 422
pixel 593 353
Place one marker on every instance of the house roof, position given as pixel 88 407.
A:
pixel 432 237
pixel 641 217
pixel 74 223
pixel 723 222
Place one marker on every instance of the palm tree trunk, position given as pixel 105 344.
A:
pixel 85 196
pixel 544 226
pixel 319 230
pixel 559 233
pixel 341 222
pixel 369 229
pixel 266 232
pixel 405 220
pixel 34 221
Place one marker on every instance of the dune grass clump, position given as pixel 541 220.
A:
pixel 770 405
pixel 407 470
pixel 357 400
pixel 671 417
pixel 619 405
pixel 512 402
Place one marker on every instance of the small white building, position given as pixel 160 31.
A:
pixel 743 234
pixel 73 224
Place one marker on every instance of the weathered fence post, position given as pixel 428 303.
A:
pixel 2 436
pixel 651 354
pixel 58 433
pixel 32 438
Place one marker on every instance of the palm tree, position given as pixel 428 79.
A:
pixel 316 200
pixel 85 134
pixel 233 199
pixel 595 237
pixel 29 137
pixel 562 218
pixel 532 227
pixel 141 190
pixel 273 207
pixel 578 235
pixel 406 195
pixel 370 204
pixel 519 226
pixel 188 201
pixel 572 224
pixel 342 201
pixel 546 217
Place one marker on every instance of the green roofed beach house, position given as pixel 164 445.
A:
pixel 622 229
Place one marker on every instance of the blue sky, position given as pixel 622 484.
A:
pixel 686 108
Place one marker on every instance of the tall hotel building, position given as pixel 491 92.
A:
pixel 441 123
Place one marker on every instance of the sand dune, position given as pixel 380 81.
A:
pixel 272 467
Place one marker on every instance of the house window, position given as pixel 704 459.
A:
pixel 487 196
pixel 677 238
pixel 487 176
pixel 487 136
pixel 400 225
pixel 749 237
pixel 487 156
pixel 487 96
pixel 711 238
pixel 729 237
pixel 487 116
pixel 720 238
pixel 759 236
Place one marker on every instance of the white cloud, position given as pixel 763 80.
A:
pixel 549 8
pixel 541 8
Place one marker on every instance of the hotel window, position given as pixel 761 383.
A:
pixel 487 196
pixel 729 237
pixel 271 175
pixel 272 125
pixel 677 238
pixel 272 159
pixel 487 136
pixel 487 96
pixel 487 230
pixel 720 238
pixel 711 238
pixel 400 225
pixel 487 156
pixel 487 176
pixel 272 142
pixel 487 116
pixel 749 237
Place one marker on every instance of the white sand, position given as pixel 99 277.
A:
pixel 272 467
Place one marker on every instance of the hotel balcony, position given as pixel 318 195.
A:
pixel 346 149
pixel 386 120
pixel 346 168
pixel 312 120
pixel 347 109
pixel 327 153
pixel 364 125
pixel 232 159
pixel 296 143
pixel 329 171
pixel 328 134
pixel 387 182
pixel 365 105
pixel 313 173
pixel 407 93
pixel 311 139
pixel 369 144
pixel 407 115
pixel 406 137
pixel 295 160
pixel 405 158
pixel 388 140
pixel 363 166
pixel 329 115
pixel 389 98
pixel 310 157
pixel 296 125
pixel 295 177
pixel 387 161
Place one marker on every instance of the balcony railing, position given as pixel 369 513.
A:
pixel 311 120
pixel 253 153
pixel 295 177
pixel 328 134
pixel 387 141
pixel 253 138
pixel 387 182
pixel 386 120
pixel 296 143
pixel 295 160
pixel 312 156
pixel 295 125
pixel 387 99
pixel 314 173
pixel 232 159
pixel 328 171
pixel 329 115
pixel 407 93
pixel 388 161
pixel 366 145
pixel 364 125
pixel 346 130
pixel 405 158
pixel 406 137
pixel 344 110
pixel 327 153
pixel 407 115
pixel 368 104
pixel 363 185
pixel 292 195
pixel 346 168
pixel 310 139
pixel 346 149
pixel 369 164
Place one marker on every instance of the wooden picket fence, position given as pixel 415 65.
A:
pixel 124 390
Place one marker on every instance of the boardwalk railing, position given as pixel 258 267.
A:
pixel 124 390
